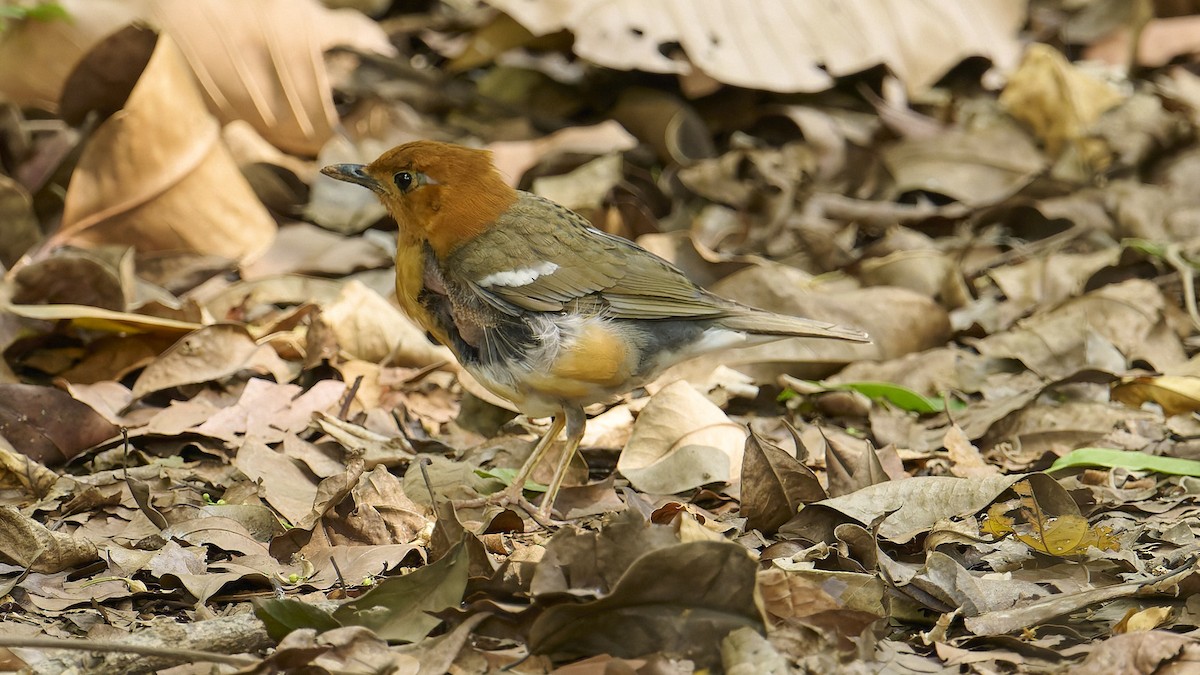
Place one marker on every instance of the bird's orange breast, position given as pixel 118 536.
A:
pixel 410 280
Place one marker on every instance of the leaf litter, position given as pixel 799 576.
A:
pixel 222 445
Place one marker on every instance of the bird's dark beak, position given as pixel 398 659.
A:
pixel 353 173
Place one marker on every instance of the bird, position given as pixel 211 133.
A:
pixel 542 308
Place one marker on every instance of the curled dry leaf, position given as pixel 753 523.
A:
pixel 779 45
pixel 514 158
pixel 977 166
pixel 681 441
pixel 28 543
pixel 1156 651
pixel 782 484
pixel 286 485
pixel 157 177
pixel 1055 344
pixel 20 471
pixel 268 411
pixel 402 608
pixel 1061 104
pixel 19 230
pixel 1175 394
pixel 965 459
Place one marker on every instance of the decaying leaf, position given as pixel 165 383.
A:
pixel 1058 534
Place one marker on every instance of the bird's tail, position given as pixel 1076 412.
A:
pixel 757 322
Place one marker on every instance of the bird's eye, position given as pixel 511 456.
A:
pixel 403 180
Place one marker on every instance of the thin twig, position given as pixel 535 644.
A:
pixel 181 655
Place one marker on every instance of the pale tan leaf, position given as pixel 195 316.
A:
pixel 370 328
pixel 28 543
pixel 157 177
pixel 260 62
pixel 682 441
pixel 779 45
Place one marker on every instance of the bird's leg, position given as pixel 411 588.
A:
pixel 539 451
pixel 514 493
pixel 576 421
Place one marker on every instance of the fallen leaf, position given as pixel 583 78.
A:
pixel 681 441
pixel 26 542
pixel 912 505
pixel 778 46
pixel 1176 395
pixel 159 164
pixel 400 608
pixel 209 354
pixel 48 425
pixel 680 600
pixel 781 485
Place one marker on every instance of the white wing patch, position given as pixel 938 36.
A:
pixel 521 277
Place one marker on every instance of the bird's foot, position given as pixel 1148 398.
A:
pixel 513 496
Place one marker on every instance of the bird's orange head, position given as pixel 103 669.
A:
pixel 438 192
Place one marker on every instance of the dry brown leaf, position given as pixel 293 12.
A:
pixel 1055 344
pixel 209 354
pixel 261 63
pixel 912 505
pixel 777 485
pixel 157 177
pixel 965 459
pixel 94 318
pixel 1158 652
pixel 779 45
pixel 301 248
pixel 1160 41
pixel 47 424
pixel 19 229
pixel 18 470
pixel 514 158
pixel 268 411
pixel 681 441
pixel 285 484
pixel 977 166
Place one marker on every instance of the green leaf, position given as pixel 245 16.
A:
pixel 1150 248
pixel 284 615
pixel 1134 461
pixel 398 609
pixel 46 11
pixel 901 397
pixel 507 476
